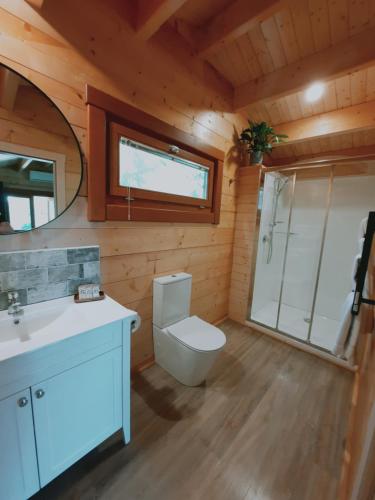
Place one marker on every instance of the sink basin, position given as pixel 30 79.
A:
pixel 48 322
pixel 29 324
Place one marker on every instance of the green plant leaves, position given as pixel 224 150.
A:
pixel 260 137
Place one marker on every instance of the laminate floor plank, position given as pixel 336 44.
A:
pixel 268 424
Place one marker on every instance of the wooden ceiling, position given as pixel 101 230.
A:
pixel 269 51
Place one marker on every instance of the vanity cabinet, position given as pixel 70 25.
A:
pixel 76 393
pixel 75 411
pixel 18 465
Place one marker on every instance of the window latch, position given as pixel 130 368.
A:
pixel 174 149
pixel 129 198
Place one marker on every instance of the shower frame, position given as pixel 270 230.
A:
pixel 331 164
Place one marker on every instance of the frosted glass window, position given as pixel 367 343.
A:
pixel 147 168
pixel 19 213
pixel 44 209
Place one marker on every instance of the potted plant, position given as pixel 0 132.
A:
pixel 260 138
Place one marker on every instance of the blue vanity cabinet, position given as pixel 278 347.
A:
pixel 75 411
pixel 59 402
pixel 18 462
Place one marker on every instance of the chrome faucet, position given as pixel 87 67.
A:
pixel 14 308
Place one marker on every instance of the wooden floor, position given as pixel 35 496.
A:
pixel 269 424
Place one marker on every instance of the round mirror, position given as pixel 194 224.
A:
pixel 40 158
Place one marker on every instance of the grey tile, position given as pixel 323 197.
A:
pixel 47 292
pixel 4 303
pixel 26 278
pixel 64 273
pixel 47 274
pixel 91 269
pixel 77 255
pixel 46 258
pixel 74 284
pixel 12 261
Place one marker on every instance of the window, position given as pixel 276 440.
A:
pixel 26 212
pixel 44 210
pixel 19 213
pixel 34 186
pixel 146 168
pixel 141 168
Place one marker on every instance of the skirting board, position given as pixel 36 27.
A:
pixel 217 322
pixel 303 347
pixel 144 365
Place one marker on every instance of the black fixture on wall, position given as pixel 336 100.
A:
pixel 363 266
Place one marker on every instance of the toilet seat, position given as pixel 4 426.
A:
pixel 197 334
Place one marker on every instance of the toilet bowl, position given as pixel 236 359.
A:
pixel 188 349
pixel 185 346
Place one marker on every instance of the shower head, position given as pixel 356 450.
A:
pixel 279 183
pixel 282 181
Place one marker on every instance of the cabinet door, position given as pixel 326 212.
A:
pixel 18 464
pixel 75 411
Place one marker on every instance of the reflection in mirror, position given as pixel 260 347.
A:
pixel 40 161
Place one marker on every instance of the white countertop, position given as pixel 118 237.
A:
pixel 47 322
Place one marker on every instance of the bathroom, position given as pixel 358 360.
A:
pixel 213 360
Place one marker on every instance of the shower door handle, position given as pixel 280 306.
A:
pixel 284 232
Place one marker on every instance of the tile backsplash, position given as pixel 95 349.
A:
pixel 40 275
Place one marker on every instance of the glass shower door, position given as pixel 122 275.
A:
pixel 275 211
pixel 307 245
pixel 353 197
pixel 302 260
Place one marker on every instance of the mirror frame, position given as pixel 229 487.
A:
pixel 81 156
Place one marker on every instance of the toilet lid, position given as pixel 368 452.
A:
pixel 198 334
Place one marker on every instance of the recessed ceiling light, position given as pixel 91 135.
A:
pixel 314 92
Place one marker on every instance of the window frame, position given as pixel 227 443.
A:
pixel 108 120
pixel 117 131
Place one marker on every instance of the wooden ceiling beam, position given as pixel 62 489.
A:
pixel 350 119
pixel 235 20
pixel 37 4
pixel 25 163
pixel 356 53
pixel 9 84
pixel 332 155
pixel 152 14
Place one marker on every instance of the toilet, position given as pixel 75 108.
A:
pixel 185 346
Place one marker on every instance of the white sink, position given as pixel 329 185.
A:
pixel 48 322
pixel 32 321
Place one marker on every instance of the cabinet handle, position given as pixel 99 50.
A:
pixel 22 402
pixel 39 393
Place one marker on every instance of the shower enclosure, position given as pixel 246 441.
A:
pixel 308 236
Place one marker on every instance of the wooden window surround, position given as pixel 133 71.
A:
pixel 108 121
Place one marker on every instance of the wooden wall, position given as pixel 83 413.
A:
pixel 248 179
pixel 358 479
pixel 70 45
